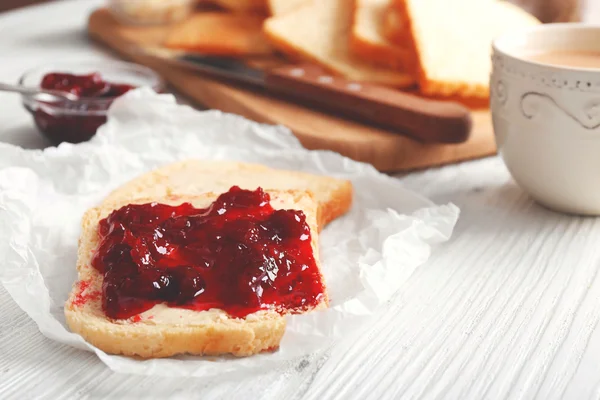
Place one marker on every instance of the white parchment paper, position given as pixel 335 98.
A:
pixel 367 255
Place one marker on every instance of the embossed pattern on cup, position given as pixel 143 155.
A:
pixel 547 118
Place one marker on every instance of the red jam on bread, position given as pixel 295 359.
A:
pixel 238 255
pixel 76 121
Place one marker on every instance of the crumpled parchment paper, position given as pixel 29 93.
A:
pixel 366 255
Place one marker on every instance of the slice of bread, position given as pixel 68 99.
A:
pixel 549 11
pixel 166 331
pixel 266 7
pixel 221 34
pixel 393 25
pixel 244 6
pixel 280 7
pixel 193 177
pixel 368 41
pixel 452 41
pixel 319 33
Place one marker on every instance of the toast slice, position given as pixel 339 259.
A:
pixel 244 6
pixel 452 41
pixel 164 331
pixel 368 41
pixel 194 177
pixel 392 26
pixel 280 7
pixel 553 11
pixel 319 32
pixel 266 7
pixel 220 34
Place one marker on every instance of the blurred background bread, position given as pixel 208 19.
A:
pixel 368 39
pixel 440 47
pixel 553 10
pixel 220 33
pixel 319 32
pixel 451 42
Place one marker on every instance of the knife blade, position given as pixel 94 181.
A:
pixel 429 121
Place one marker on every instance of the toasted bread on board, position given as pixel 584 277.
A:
pixel 194 177
pixel 452 41
pixel 280 7
pixel 368 41
pixel 244 6
pixel 392 26
pixel 319 33
pixel 220 33
pixel 271 7
pixel 164 331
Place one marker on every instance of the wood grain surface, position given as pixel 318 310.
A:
pixel 387 151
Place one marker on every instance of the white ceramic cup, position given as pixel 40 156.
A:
pixel 547 118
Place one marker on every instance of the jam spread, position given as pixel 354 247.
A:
pixel 64 121
pixel 91 85
pixel 238 255
pixel 85 294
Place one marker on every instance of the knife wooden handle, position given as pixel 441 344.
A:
pixel 425 120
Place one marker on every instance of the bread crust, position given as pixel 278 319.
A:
pixel 393 25
pixel 222 34
pixel 429 83
pixel 190 177
pixel 409 41
pixel 332 50
pixel 146 340
pixel 164 331
pixel 390 56
pixel 339 203
pixel 279 7
pixel 383 52
pixel 244 6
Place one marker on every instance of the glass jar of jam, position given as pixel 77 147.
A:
pixel 97 84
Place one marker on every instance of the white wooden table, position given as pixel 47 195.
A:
pixel 508 309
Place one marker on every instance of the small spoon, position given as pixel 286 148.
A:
pixel 4 87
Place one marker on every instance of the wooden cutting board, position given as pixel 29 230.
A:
pixel 315 130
